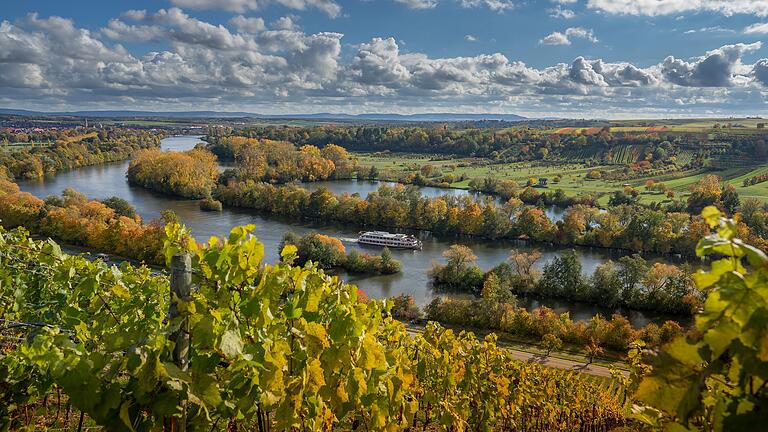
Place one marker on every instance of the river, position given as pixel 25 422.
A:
pixel 102 181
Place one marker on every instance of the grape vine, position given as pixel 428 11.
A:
pixel 273 347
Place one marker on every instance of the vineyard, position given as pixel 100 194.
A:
pixel 252 347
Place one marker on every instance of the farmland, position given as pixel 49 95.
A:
pixel 572 175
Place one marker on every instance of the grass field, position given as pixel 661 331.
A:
pixel 573 179
pixel 731 125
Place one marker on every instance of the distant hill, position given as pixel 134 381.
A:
pixel 431 117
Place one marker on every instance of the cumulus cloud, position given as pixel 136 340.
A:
pixel 715 69
pixel 559 12
pixel 558 38
pixel 134 14
pixel 52 62
pixel 760 71
pixel 284 23
pixel 471 38
pixel 247 24
pixel 668 7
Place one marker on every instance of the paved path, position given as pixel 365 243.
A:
pixel 560 363
pixel 554 362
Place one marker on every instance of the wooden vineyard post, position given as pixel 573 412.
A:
pixel 181 284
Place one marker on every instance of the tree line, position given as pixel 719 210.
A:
pixel 110 225
pixel 518 143
pixel 328 252
pixel 69 149
pixel 280 161
pixel 626 227
pixel 190 174
pixel 631 282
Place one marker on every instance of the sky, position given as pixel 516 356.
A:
pixel 568 58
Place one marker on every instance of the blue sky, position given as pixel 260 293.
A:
pixel 576 58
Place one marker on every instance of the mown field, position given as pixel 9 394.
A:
pixel 573 179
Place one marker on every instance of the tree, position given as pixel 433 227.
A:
pixel 593 349
pixel 120 206
pixel 606 285
pixel 705 192
pixel 562 277
pixel 550 342
pixel 730 199
pixel 459 257
pixel 388 264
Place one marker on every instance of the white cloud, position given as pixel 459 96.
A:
pixel 555 38
pixel 559 12
pixel 50 63
pixel 284 23
pixel 239 6
pixel 668 7
pixel 494 5
pixel 135 15
pixel 247 24
pixel 330 7
pixel 716 69
pixel 713 29
pixel 564 2
pixel 757 28
pixel 760 71
pixel 558 38
pixel 470 38
pixel 418 4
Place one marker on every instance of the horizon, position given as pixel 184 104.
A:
pixel 138 113
pixel 565 58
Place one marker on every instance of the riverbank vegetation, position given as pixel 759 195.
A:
pixel 210 204
pixel 323 358
pixel 625 227
pixel 281 162
pixel 29 156
pixel 110 226
pixel 328 252
pixel 190 174
pixel 631 282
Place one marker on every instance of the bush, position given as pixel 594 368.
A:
pixel 404 308
pixel 210 204
pixel 120 206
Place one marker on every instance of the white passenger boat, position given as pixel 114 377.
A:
pixel 383 238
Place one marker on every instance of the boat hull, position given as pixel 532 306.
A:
pixel 371 243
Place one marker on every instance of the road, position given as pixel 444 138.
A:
pixel 560 363
pixel 551 361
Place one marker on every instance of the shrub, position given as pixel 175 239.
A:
pixel 210 204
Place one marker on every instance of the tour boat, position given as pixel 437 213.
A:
pixel 383 238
